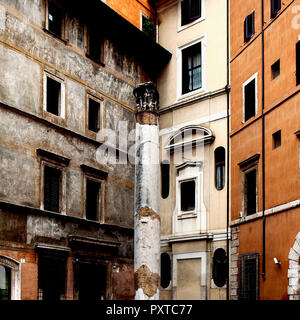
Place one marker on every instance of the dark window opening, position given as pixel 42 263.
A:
pixel 249 278
pixel 52 181
pixel 187 195
pixel 148 27
pixel 275 69
pixel 250 192
pixel 92 200
pixel 190 11
pixel 275 7
pixel 276 139
pixel 298 63
pixel 220 168
pixel 55 19
pixel 94 115
pixel 92 282
pixel 220 263
pixel 191 68
pixel 95 48
pixel 249 27
pixel 51 276
pixel 165 179
pixel 165 267
pixel 5 283
pixel 53 96
pixel 250 99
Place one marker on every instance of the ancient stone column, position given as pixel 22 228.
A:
pixel 147 188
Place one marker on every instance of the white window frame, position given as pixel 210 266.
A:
pixel 256 99
pixel 179 26
pixel 62 106
pixel 201 90
pixel 15 267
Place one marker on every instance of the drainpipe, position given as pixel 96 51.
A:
pixel 147 197
pixel 263 143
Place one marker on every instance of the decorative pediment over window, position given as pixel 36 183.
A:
pixel 189 137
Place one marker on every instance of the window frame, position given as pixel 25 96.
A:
pixel 245 199
pixel 180 49
pixel 253 77
pixel 181 27
pixel 99 135
pixel 217 164
pixel 247 35
pixel 274 137
pixel 15 274
pixel 88 34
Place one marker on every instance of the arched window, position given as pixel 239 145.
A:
pixel 5 283
pixel 220 262
pixel 220 168
pixel 165 179
pixel 165 270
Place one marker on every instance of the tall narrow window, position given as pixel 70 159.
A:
pixel 55 18
pixel 298 63
pixel 275 69
pixel 52 182
pixel 249 28
pixel 148 27
pixel 190 11
pixel 94 115
pixel 165 267
pixel 249 277
pixel 220 263
pixel 276 139
pixel 165 179
pixel 187 195
pixel 250 192
pixel 5 283
pixel 220 168
pixel 92 200
pixel 250 99
pixel 95 44
pixel 191 68
pixel 275 7
pixel 53 96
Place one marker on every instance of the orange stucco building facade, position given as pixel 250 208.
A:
pixel 264 246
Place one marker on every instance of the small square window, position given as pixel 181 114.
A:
pixel 55 18
pixel 249 27
pixel 250 99
pixel 276 139
pixel 93 115
pixel 190 11
pixel 52 186
pixel 53 96
pixel 275 69
pixel 191 68
pixel 92 200
pixel 187 195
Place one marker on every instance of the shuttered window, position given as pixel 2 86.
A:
pixel 275 7
pixel 92 200
pixel 52 181
pixel 249 277
pixel 249 27
pixel 190 11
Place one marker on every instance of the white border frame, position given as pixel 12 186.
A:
pixel 203 41
pixel 179 26
pixel 15 267
pixel 256 99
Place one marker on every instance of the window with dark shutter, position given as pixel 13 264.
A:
pixel 188 189
pixel 298 63
pixel 94 115
pixel 250 99
pixel 92 200
pixel 55 18
pixel 275 7
pixel 219 168
pixel 165 179
pixel 52 180
pixel 190 11
pixel 165 267
pixel 249 277
pixel 249 27
pixel 191 68
pixel 250 192
pixel 53 96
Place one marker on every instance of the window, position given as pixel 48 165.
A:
pixel 298 63
pixel 249 287
pixel 275 7
pixel 51 275
pixel 95 49
pixel 249 27
pixel 92 199
pixel 191 68
pixel 250 98
pixel 190 11
pixel 148 27
pixel 220 263
pixel 94 115
pixel 250 192
pixel 55 19
pixel 165 270
pixel 276 139
pixel 5 283
pixel 165 179
pixel 54 95
pixel 275 69
pixel 219 168
pixel 52 187
pixel 187 195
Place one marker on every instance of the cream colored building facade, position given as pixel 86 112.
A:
pixel 193 148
